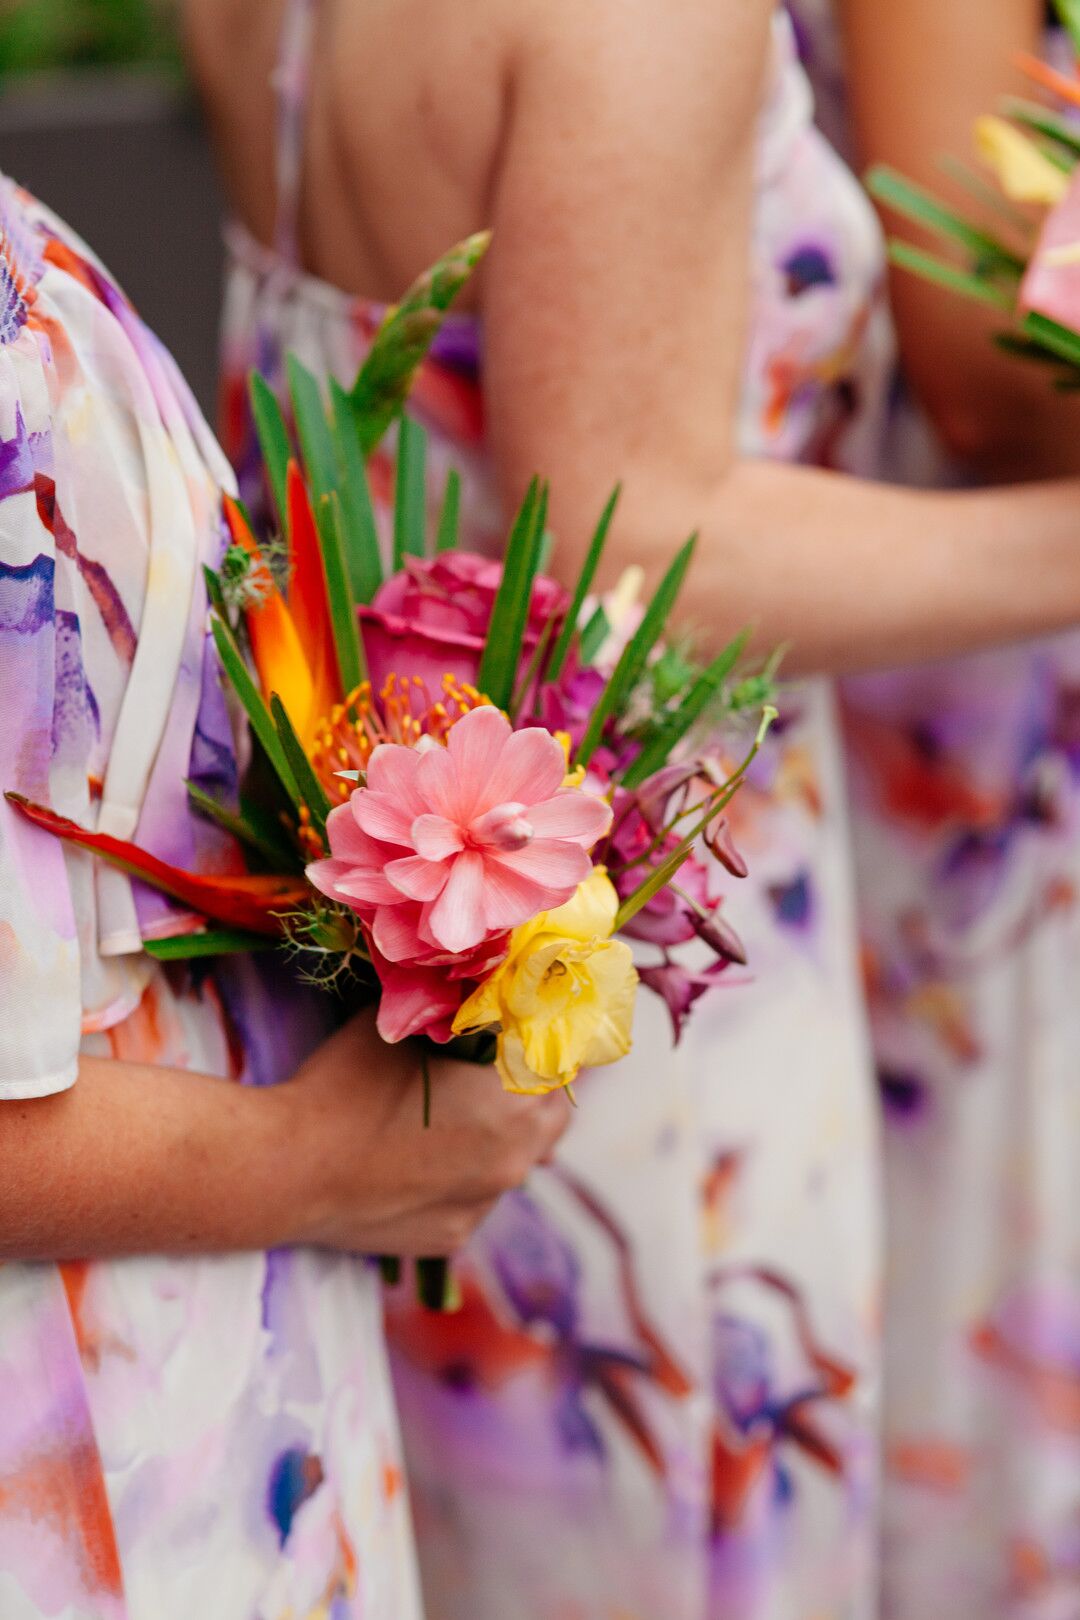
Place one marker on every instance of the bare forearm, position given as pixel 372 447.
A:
pixel 851 574
pixel 145 1160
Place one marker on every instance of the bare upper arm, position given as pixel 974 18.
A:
pixel 615 292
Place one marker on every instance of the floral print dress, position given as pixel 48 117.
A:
pixel 659 1401
pixel 966 805
pixel 179 1438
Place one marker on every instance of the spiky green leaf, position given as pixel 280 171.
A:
pixel 343 616
pixel 594 635
pixel 701 693
pixel 312 428
pixel 212 942
pixel 274 852
pixel 403 340
pixel 363 555
pixel 501 659
pixel 251 698
pixel 410 496
pixel 629 669
pixel 311 789
pixel 583 586
pixel 450 516
pixel 1060 340
pixel 273 438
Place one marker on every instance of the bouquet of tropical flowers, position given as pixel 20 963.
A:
pixel 468 787
pixel 1026 263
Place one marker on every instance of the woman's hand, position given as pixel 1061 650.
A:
pixel 377 1180
pixel 136 1159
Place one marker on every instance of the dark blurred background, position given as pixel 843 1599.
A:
pixel 97 119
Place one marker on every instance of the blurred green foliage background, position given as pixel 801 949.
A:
pixel 46 35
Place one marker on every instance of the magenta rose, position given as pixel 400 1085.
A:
pixel 431 618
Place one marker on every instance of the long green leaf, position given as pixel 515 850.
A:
pixel 502 649
pixel 402 342
pixel 583 586
pixel 343 616
pixel 311 789
pixel 410 496
pixel 629 669
pixel 1052 336
pixel 659 879
pixel 594 635
pixel 273 441
pixel 946 275
pixel 214 594
pixel 312 428
pixel 363 554
pixel 701 693
pixel 254 707
pixel 212 942
pixel 923 208
pixel 240 828
pixel 450 516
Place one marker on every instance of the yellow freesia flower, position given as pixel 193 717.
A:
pixel 1024 172
pixel 563 1000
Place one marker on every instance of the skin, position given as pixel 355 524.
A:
pixel 337 1157
pixel 611 146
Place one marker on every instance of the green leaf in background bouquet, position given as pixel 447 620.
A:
pixel 360 533
pixel 410 496
pixel 506 633
pixel 1069 13
pixel 631 665
pixel 923 209
pixel 1050 335
pixel 1034 116
pixel 405 337
pixel 947 275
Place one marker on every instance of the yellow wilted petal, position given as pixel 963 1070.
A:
pixel 1024 173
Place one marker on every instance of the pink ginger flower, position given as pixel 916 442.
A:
pixel 449 848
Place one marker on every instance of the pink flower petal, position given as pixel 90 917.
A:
pixel 383 817
pixel 435 838
pixel 417 878
pixel 438 782
pixel 326 875
pixel 456 920
pixel 360 885
pixel 415 1001
pixel 572 815
pixel 395 931
pixel 476 745
pixel 393 770
pixel 555 867
pixel 531 768
pixel 348 841
pixel 510 898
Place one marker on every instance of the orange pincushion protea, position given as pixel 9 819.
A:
pixel 404 713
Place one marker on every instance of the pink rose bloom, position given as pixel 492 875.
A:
pixel 445 850
pixel 431 619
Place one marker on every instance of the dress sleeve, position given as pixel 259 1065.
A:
pixel 41 678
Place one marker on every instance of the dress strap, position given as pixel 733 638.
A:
pixel 292 79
